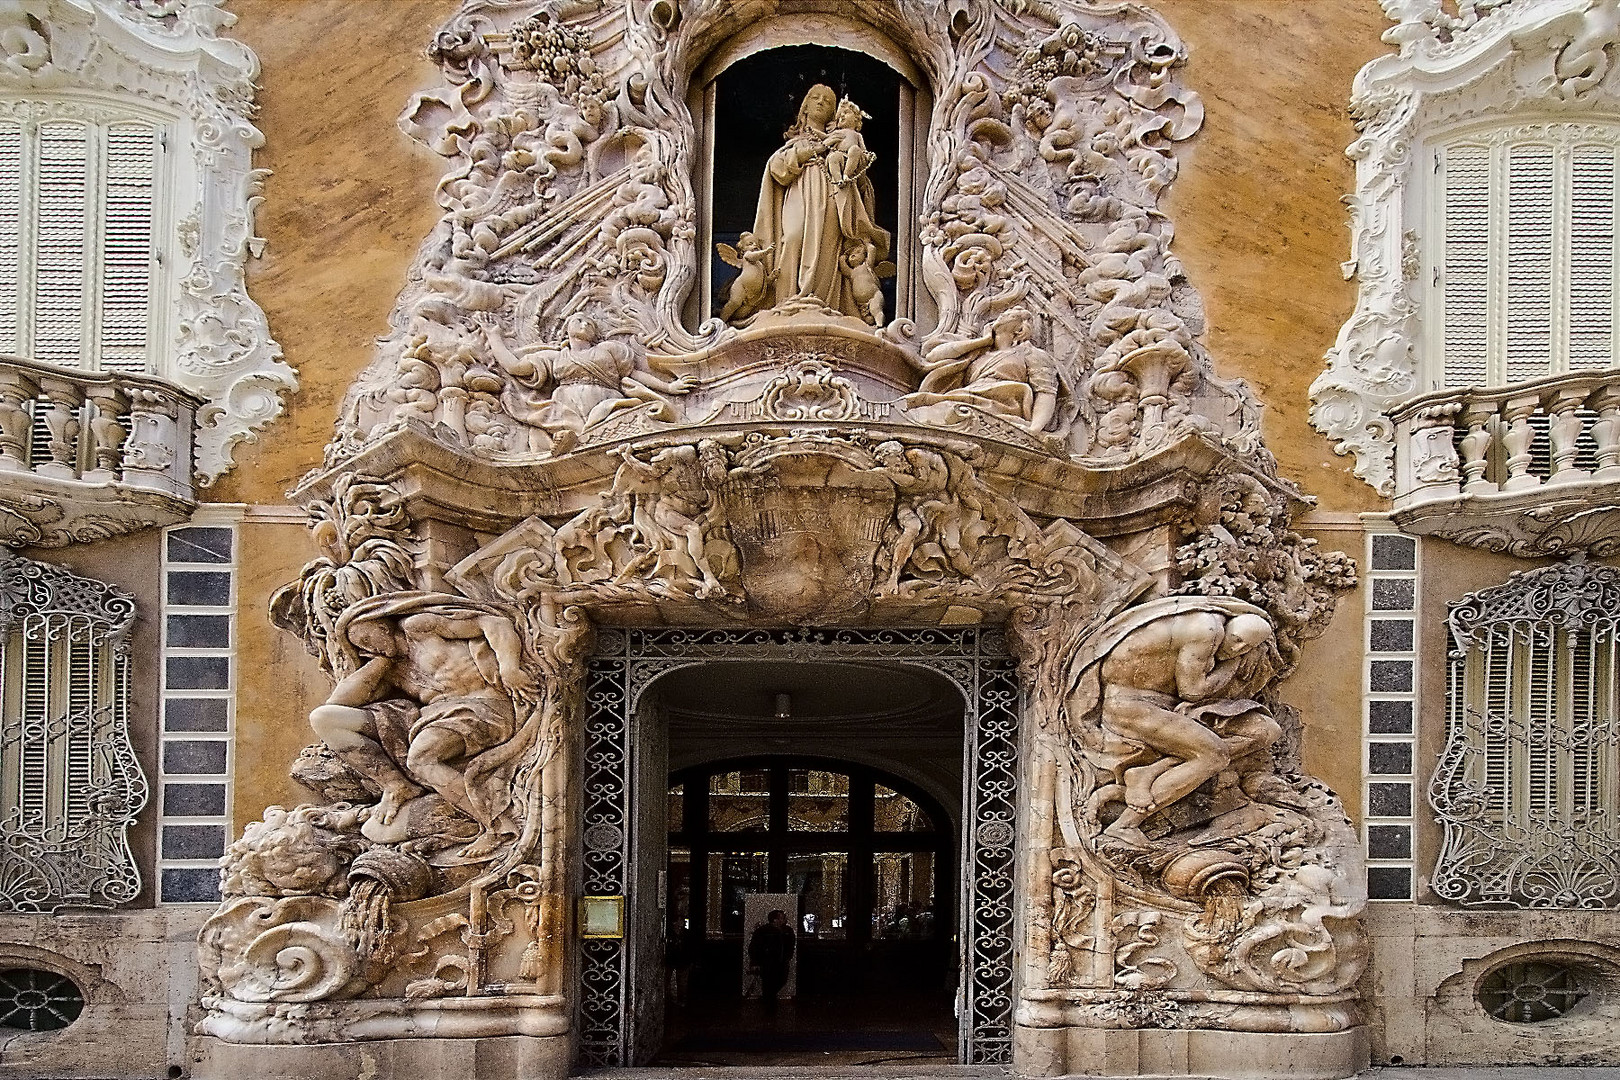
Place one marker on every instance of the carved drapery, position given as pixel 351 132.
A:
pixel 1527 782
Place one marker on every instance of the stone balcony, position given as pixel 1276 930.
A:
pixel 1532 468
pixel 88 455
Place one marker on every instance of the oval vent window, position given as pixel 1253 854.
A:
pixel 33 1000
pixel 1532 991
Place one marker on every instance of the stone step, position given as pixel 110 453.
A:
pixel 974 1072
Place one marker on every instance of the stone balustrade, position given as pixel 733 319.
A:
pixel 85 455
pixel 1497 466
pixel 1486 441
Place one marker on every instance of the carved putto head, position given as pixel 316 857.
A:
pixel 850 115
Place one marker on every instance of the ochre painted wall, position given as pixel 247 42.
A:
pixel 1259 222
pixel 349 200
pixel 1259 226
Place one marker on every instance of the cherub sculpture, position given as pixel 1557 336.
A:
pixel 847 156
pixel 753 258
pixel 863 280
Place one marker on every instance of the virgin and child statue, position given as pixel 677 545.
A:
pixel 815 241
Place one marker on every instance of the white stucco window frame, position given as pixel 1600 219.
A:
pixel 1500 62
pixel 164 58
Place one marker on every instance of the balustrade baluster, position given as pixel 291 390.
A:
pixel 1564 432
pixel 1517 439
pixel 107 435
pixel 1606 431
pixel 150 454
pixel 16 421
pixel 62 401
pixel 1475 447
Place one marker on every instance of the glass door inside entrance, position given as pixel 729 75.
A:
pixel 861 867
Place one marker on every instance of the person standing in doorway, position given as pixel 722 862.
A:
pixel 770 951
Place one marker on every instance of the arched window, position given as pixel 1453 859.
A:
pixel 127 197
pixel 1528 787
pixel 80 187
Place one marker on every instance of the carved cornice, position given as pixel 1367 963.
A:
pixel 1522 61
pixel 167 56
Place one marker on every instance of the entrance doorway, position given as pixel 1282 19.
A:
pixel 760 730
pixel 861 862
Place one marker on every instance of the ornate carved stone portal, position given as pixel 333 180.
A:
pixel 1035 445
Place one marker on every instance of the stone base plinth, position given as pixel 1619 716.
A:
pixel 506 1057
pixel 1170 1052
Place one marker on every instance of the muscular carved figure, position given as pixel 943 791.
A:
pixel 1165 701
pixel 460 672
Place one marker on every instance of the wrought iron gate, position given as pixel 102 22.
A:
pixel 627 662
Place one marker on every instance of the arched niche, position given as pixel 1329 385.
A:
pixel 792 51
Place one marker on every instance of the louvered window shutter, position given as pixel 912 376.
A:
pixel 1467 263
pixel 1527 282
pixel 78 260
pixel 11 243
pixel 1529 261
pixel 1591 257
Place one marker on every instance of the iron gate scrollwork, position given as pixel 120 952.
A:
pixel 976 661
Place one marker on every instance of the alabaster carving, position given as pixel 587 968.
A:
pixel 571 192
pixel 543 446
pixel 814 222
pixel 1507 61
pixel 1188 862
pixel 170 57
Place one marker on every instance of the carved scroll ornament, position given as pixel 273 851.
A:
pixel 547 300
pixel 1489 60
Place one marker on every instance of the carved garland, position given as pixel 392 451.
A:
pixel 168 56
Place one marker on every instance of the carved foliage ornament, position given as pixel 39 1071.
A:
pixel 1488 59
pixel 544 311
pixel 167 56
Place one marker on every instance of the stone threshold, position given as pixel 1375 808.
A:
pixel 968 1072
